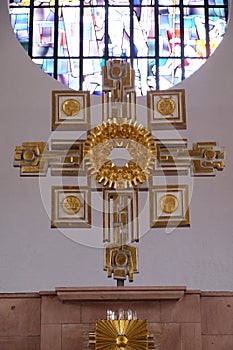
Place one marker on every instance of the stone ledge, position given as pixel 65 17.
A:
pixel 216 294
pixel 19 295
pixel 120 293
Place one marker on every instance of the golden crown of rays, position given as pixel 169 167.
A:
pixel 102 139
pixel 121 335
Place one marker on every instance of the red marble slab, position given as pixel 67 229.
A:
pixel 20 343
pixel 185 310
pixel 217 315
pixel 51 337
pixel 167 335
pixel 19 317
pixel 54 310
pixel 75 336
pixel 190 336
pixel 217 342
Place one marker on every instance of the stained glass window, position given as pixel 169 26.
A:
pixel 166 41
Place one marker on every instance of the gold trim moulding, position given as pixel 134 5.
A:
pixel 173 157
pixel 65 158
pixel 123 217
pixel 207 158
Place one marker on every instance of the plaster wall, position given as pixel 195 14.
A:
pixel 34 257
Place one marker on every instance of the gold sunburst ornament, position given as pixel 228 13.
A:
pixel 136 139
pixel 121 335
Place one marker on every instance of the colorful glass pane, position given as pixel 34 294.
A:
pixel 166 41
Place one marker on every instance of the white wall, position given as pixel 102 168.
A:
pixel 34 257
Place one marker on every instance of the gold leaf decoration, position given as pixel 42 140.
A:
pixel 121 335
pixel 135 139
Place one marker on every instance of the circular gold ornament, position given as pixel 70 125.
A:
pixel 166 106
pixel 169 203
pixel 28 155
pixel 71 205
pixel 210 154
pixel 71 107
pixel 121 341
pixel 135 138
pixel 121 259
pixel 116 71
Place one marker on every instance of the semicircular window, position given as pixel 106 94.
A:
pixel 165 40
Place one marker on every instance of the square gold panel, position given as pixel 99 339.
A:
pixel 70 110
pixel 166 109
pixel 71 207
pixel 169 206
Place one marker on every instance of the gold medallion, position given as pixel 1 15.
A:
pixel 116 71
pixel 71 205
pixel 166 106
pixel 121 259
pixel 169 203
pixel 28 155
pixel 71 107
pixel 210 154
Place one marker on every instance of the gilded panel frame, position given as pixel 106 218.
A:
pixel 169 206
pixel 71 207
pixel 70 110
pixel 166 109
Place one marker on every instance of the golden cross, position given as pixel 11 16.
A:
pixel 121 184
